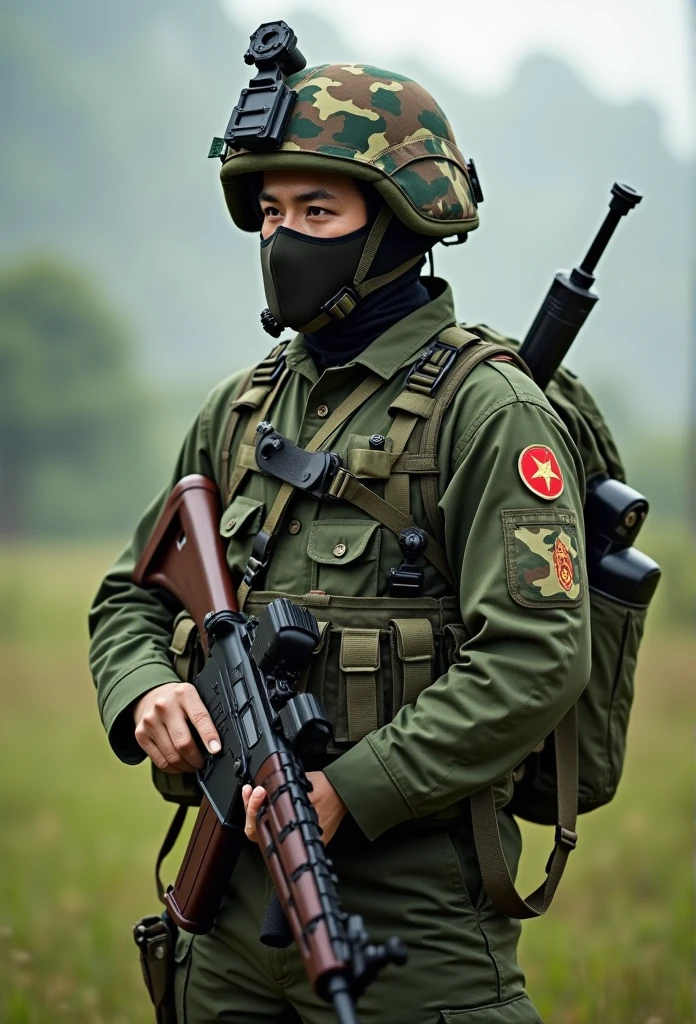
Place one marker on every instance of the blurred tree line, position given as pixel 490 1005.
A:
pixel 74 420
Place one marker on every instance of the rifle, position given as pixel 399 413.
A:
pixel 248 687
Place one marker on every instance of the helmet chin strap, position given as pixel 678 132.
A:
pixel 345 301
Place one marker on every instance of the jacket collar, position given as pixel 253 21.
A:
pixel 399 345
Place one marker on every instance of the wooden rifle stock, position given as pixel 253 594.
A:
pixel 186 556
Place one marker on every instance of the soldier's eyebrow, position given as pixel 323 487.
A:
pixel 316 193
pixel 302 197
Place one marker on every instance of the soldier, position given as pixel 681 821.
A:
pixel 433 697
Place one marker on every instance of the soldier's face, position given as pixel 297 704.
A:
pixel 323 205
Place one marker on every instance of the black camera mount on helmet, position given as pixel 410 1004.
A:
pixel 259 120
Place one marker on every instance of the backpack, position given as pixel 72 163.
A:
pixel 577 768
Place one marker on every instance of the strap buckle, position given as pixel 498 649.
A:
pixel 269 370
pixel 259 557
pixel 342 303
pixel 564 837
pixel 427 374
pixel 337 484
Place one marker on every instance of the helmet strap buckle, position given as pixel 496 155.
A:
pixel 343 303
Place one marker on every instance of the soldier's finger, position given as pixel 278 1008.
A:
pixel 157 757
pixel 158 733
pixel 253 806
pixel 196 711
pixel 182 740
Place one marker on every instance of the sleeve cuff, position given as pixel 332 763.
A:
pixel 116 710
pixel 372 797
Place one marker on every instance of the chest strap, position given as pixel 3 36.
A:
pixel 258 391
pixel 264 539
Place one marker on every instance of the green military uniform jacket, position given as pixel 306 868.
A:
pixel 519 644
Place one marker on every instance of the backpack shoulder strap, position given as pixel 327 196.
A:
pixel 432 395
pixel 495 873
pixel 258 391
pixel 441 393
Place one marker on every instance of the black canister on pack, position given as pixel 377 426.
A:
pixel 570 298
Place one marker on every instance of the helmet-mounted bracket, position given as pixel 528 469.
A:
pixel 259 119
pixel 476 189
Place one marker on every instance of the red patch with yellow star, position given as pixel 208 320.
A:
pixel 540 471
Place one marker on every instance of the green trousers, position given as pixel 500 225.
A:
pixel 419 883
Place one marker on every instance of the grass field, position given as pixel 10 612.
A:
pixel 80 831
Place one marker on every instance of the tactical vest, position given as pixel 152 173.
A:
pixel 377 654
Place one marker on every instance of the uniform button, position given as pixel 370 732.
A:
pixel 295 526
pixel 230 524
pixel 323 411
pixel 340 550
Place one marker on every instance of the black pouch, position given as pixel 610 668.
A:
pixel 155 938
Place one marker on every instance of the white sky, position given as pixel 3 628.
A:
pixel 625 49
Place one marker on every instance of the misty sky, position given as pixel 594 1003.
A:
pixel 625 49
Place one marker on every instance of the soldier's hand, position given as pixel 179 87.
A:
pixel 162 719
pixel 325 800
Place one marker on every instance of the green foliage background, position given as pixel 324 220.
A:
pixel 125 294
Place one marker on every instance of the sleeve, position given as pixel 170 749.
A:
pixel 519 558
pixel 130 626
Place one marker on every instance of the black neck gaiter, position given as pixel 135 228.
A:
pixel 342 340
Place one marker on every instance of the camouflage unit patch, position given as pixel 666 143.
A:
pixel 542 557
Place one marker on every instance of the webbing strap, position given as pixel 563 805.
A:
pixel 231 428
pixel 479 352
pixel 345 487
pixel 183 628
pixel 494 870
pixel 240 471
pixel 367 287
pixel 167 846
pixel 397 491
pixel 374 239
pixel 415 645
pixel 346 409
pixel 360 662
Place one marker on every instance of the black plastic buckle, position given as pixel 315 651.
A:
pixel 426 358
pixel 337 308
pixel 406 581
pixel 564 837
pixel 277 368
pixel 259 557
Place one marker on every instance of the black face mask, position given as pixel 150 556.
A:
pixel 301 274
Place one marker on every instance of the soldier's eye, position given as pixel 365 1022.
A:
pixel 316 211
pixel 271 211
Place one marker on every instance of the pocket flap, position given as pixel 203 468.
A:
pixel 414 638
pixel 242 516
pixel 338 541
pixel 518 1010
pixel 359 650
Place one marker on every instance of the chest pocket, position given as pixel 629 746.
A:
pixel 345 556
pixel 239 525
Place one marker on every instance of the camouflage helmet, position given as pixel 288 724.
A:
pixel 375 126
